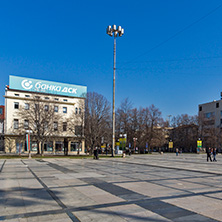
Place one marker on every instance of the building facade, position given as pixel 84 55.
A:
pixel 2 120
pixel 50 113
pixel 210 124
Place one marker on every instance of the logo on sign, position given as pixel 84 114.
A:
pixel 27 84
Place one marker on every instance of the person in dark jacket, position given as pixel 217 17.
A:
pixel 209 154
pixel 214 154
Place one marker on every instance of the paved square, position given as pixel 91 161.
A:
pixel 137 188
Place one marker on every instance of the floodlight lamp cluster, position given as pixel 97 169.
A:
pixel 113 30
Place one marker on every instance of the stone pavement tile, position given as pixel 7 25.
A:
pixel 116 178
pixel 30 184
pixel 91 190
pixel 84 175
pixel 193 218
pixel 98 215
pixel 150 189
pixel 12 220
pixel 133 212
pixel 106 199
pixel 47 218
pixel 201 205
pixel 8 184
pixel 73 181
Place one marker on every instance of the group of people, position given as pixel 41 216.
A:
pixel 211 153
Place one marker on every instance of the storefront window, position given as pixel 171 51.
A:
pixel 75 146
pixel 33 146
pixel 48 146
pixel 59 146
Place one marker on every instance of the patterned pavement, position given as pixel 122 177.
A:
pixel 137 188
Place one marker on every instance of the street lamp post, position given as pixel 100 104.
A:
pixel 134 140
pixel 114 31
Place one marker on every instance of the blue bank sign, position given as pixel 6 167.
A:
pixel 42 86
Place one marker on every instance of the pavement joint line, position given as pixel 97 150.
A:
pixel 2 166
pixel 176 160
pixel 102 205
pixel 140 202
pixel 60 211
pixel 172 168
pixel 184 195
pixel 32 214
pixel 51 193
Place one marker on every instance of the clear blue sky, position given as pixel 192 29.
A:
pixel 66 41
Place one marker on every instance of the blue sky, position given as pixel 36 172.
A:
pixel 66 41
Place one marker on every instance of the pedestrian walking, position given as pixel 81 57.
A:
pixel 214 154
pixel 208 154
pixel 177 151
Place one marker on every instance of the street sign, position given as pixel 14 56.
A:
pixel 170 145
pixel 199 143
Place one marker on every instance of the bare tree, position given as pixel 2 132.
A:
pixel 76 124
pixel 97 120
pixel 39 118
pixel 185 132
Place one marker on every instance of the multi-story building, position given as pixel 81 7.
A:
pixel 50 113
pixel 2 120
pixel 210 123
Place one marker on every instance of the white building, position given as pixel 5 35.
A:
pixel 62 107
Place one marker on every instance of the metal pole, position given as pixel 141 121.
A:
pixel 114 79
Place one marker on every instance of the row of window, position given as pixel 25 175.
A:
pixel 38 97
pixel 217 106
pixel 26 125
pixel 59 146
pixel 46 108
pixel 78 129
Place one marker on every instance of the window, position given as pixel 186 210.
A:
pixel 26 106
pixel 56 99
pixel 36 106
pixel 45 125
pixel 64 109
pixel 65 100
pixel 27 95
pixel 37 97
pixel 55 126
pixel 64 126
pixel 76 110
pixel 16 105
pixel 79 110
pixel 16 123
pixel 1 111
pixel 59 146
pixel 46 108
pixel 26 124
pixel 209 115
pixel 76 146
pixel 56 109
pixel 16 94
pixel 200 108
pixel 46 97
pixel 78 130
pixel 217 105
pixel 48 146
